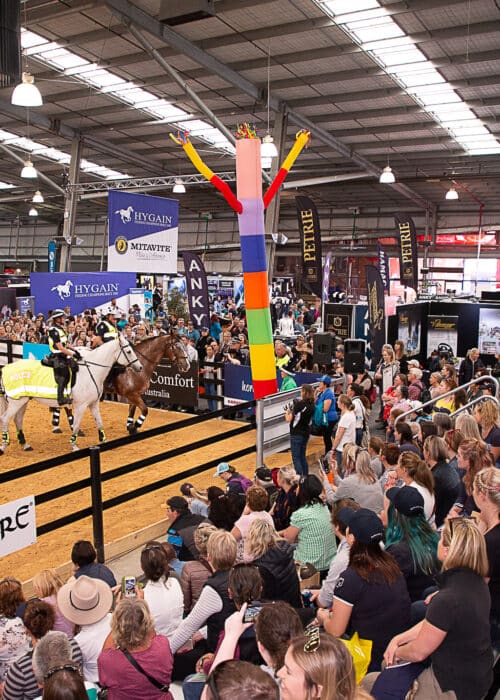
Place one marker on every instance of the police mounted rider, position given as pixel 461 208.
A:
pixel 61 354
pixel 106 329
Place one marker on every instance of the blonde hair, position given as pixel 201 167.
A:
pixel 47 582
pixel 488 411
pixel 131 623
pixel 487 482
pixel 466 546
pixel 221 550
pixel 261 537
pixel 345 401
pixel 364 468
pixel 288 475
pixel 467 426
pixel 201 536
pixel 349 454
pixel 478 457
pixel 436 448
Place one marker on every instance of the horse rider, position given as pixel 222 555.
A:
pixel 61 354
pixel 106 328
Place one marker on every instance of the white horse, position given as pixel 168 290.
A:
pixel 125 214
pixel 93 369
pixel 64 290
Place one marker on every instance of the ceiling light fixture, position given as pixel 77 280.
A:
pixel 28 170
pixel 33 212
pixel 452 193
pixel 387 176
pixel 179 187
pixel 26 94
pixel 38 198
pixel 268 147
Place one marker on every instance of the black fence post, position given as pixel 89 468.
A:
pixel 97 512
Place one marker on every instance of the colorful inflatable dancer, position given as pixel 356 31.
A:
pixel 250 205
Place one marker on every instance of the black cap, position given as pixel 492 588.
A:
pixel 178 503
pixel 406 500
pixel 204 328
pixel 235 339
pixel 363 524
pixel 264 474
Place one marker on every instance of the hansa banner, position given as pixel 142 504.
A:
pixel 143 233
pixel 376 310
pixel 408 257
pixel 310 239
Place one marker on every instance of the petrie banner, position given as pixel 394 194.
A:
pixel 197 290
pixel 408 258
pixel 383 267
pixel 310 239
pixel 17 525
pixel 326 276
pixel 376 310
pixel 143 233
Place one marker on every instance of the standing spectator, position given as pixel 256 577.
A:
pixel 299 415
pixel 415 385
pixel 326 397
pixel 346 429
pixel 400 356
pixel 470 367
pixel 287 380
pixel 386 370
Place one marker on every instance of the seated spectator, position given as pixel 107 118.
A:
pixel 264 477
pixel 38 618
pixel 310 527
pixel 371 597
pixel 442 421
pixel 224 509
pixel 411 540
pixel 324 596
pixel 486 415
pixel 65 682
pixel 453 438
pixel 362 486
pixel 234 678
pixel 197 500
pixel 162 593
pixel 256 502
pixel 52 654
pixel 446 404
pixel 45 585
pixel 14 639
pixel 235 483
pixel 375 446
pixel 413 471
pixel 135 661
pixel 86 602
pixel 275 559
pixel 472 457
pixel 83 556
pixel 404 438
pixel 389 458
pixel 195 573
pixel 180 533
pixel 446 479
pixel 286 500
pixel 468 427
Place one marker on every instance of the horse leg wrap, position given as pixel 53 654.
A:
pixel 140 420
pixel 130 421
pixel 71 420
pixel 102 435
pixel 56 416
pixel 5 438
pixel 73 439
pixel 20 437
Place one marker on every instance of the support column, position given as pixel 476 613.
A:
pixel 70 205
pixel 273 210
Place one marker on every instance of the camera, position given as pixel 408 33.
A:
pixel 288 407
pixel 129 586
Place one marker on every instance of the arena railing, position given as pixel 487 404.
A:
pixel 96 477
pixel 478 380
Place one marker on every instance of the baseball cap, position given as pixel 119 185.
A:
pixel 264 474
pixel 204 328
pixel 406 500
pixel 222 467
pixel 186 489
pixel 326 380
pixel 177 503
pixel 414 363
pixel 363 524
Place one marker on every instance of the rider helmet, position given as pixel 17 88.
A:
pixel 113 313
pixel 57 313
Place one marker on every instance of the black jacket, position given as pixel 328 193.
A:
pixel 469 369
pixel 181 535
pixel 281 581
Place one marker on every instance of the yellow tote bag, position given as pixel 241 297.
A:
pixel 361 652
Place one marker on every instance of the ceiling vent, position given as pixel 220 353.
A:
pixel 174 12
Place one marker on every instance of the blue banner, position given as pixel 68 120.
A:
pixel 80 290
pixel 51 252
pixel 143 232
pixel 35 351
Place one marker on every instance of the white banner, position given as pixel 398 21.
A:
pixel 17 525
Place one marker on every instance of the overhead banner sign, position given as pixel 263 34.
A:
pixel 80 290
pixel 376 311
pixel 17 525
pixel 383 267
pixel 408 258
pixel 197 290
pixel 169 385
pixel 310 240
pixel 143 233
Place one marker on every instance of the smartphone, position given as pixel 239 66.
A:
pixel 251 613
pixel 129 586
pixel 324 466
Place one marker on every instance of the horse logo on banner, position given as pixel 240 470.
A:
pixel 63 290
pixel 125 214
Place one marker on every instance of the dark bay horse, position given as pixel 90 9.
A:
pixel 132 384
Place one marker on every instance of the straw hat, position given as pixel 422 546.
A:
pixel 84 600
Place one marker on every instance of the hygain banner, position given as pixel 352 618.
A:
pixel 376 310
pixel 80 290
pixel 197 290
pixel 310 239
pixel 143 233
pixel 408 258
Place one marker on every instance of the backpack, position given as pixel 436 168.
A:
pixel 372 394
pixel 243 481
pixel 425 395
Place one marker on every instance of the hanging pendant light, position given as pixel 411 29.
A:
pixel 26 94
pixel 38 198
pixel 387 176
pixel 28 170
pixel 179 187
pixel 33 212
pixel 268 148
pixel 452 193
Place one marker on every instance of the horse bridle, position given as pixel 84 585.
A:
pixel 86 363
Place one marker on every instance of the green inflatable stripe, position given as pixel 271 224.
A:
pixel 259 326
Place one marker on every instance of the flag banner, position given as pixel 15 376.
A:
pixel 376 311
pixel 383 267
pixel 143 233
pixel 80 290
pixel 408 258
pixel 310 239
pixel 326 276
pixel 197 290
